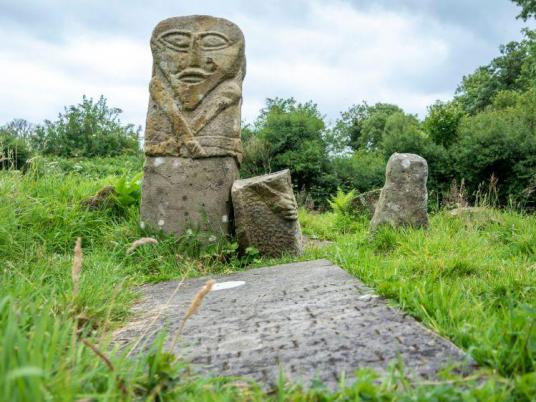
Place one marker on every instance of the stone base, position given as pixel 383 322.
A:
pixel 182 193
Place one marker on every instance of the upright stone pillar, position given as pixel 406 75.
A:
pixel 192 136
pixel 404 197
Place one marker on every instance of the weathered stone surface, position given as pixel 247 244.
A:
pixel 312 319
pixel 470 211
pixel 266 214
pixel 182 193
pixel 196 88
pixel 480 216
pixel 193 120
pixel 404 197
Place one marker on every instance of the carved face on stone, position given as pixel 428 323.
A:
pixel 197 53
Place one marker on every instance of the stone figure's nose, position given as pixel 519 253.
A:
pixel 195 56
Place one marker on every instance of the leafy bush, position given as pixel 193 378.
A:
pixel 14 151
pixel 363 170
pixel 128 191
pixel 441 123
pixel 514 69
pixel 257 157
pixel 87 129
pixel 362 126
pixel 118 197
pixel 289 135
pixel 501 142
pixel 346 218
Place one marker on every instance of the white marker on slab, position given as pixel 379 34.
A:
pixel 227 285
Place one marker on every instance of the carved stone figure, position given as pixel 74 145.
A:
pixel 196 88
pixel 404 197
pixel 266 214
pixel 192 135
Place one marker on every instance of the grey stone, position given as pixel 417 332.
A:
pixel 193 114
pixel 266 214
pixel 311 319
pixel 404 197
pixel 481 216
pixel 182 193
pixel 469 211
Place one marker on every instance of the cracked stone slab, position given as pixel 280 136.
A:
pixel 311 319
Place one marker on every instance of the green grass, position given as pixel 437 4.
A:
pixel 471 279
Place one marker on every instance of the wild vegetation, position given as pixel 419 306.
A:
pixel 487 131
pixel 470 277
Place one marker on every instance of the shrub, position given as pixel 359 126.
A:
pixel 87 129
pixel 362 126
pixel 363 170
pixel 128 191
pixel 257 157
pixel 441 123
pixel 14 151
pixel 289 135
pixel 500 142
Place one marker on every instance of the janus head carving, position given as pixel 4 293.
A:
pixel 196 53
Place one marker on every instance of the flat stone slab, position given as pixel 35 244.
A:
pixel 311 319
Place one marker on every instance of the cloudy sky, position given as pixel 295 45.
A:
pixel 334 52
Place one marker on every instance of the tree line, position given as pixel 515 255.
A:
pixel 486 132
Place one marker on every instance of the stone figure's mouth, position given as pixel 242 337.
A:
pixel 192 76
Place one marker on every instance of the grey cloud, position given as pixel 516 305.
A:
pixel 489 18
pixel 470 31
pixel 54 20
pixel 474 29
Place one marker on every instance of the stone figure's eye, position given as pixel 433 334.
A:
pixel 213 41
pixel 177 40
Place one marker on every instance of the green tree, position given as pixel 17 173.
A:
pixel 528 8
pixel 87 129
pixel 528 71
pixel 362 170
pixel 290 135
pixel 361 126
pixel 257 156
pixel 514 69
pixel 442 121
pixel 14 151
pixel 500 141
pixel 20 128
